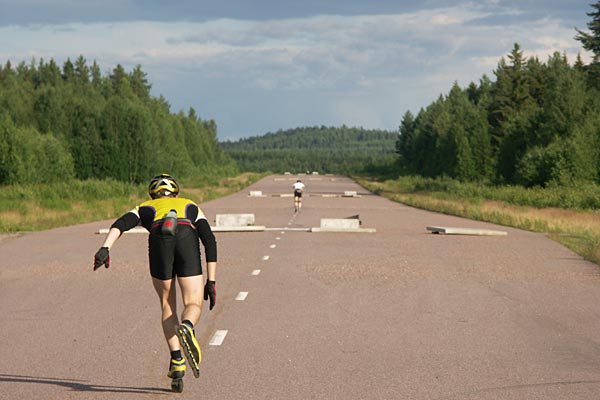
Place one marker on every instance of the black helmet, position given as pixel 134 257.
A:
pixel 163 182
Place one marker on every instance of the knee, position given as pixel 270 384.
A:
pixel 197 302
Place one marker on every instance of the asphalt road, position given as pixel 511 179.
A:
pixel 397 314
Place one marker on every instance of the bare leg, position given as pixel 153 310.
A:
pixel 192 292
pixel 167 293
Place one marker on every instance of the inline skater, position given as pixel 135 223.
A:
pixel 174 224
pixel 298 190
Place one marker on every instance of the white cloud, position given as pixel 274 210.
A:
pixel 442 19
pixel 368 68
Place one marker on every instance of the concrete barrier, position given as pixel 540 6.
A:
pixel 341 225
pixel 234 219
pixel 465 231
pixel 245 223
pixel 236 223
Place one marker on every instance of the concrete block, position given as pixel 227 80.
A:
pixel 225 223
pixel 465 231
pixel 339 223
pixel 234 220
pixel 348 225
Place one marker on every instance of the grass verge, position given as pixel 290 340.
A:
pixel 39 207
pixel 577 229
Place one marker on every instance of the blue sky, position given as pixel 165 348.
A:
pixel 260 66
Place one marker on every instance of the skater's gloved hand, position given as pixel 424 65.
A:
pixel 210 291
pixel 102 258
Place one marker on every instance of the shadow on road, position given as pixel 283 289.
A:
pixel 81 386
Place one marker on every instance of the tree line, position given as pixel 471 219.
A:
pixel 537 124
pixel 66 122
pixel 319 148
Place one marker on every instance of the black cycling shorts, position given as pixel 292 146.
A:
pixel 172 256
pixel 297 193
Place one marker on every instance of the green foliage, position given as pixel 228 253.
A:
pixel 591 42
pixel 577 195
pixel 25 207
pixel 73 122
pixel 28 156
pixel 324 149
pixel 536 125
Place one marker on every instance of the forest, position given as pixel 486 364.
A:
pixel 72 122
pixel 343 150
pixel 536 124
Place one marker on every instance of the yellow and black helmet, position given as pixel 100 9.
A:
pixel 163 182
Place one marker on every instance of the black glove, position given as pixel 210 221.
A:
pixel 210 290
pixel 101 258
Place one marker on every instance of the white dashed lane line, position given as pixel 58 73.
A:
pixel 217 338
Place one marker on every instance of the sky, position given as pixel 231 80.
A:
pixel 261 66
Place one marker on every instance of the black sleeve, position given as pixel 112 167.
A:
pixel 126 222
pixel 208 240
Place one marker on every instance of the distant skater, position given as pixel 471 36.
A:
pixel 298 190
pixel 174 224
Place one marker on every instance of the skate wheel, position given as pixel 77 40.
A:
pixel 177 385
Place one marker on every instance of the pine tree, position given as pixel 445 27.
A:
pixel 404 141
pixel 82 72
pixel 139 82
pixel 511 113
pixel 591 42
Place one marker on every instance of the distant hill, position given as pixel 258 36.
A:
pixel 323 149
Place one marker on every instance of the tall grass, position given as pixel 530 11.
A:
pixel 46 206
pixel 569 215
pixel 579 196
